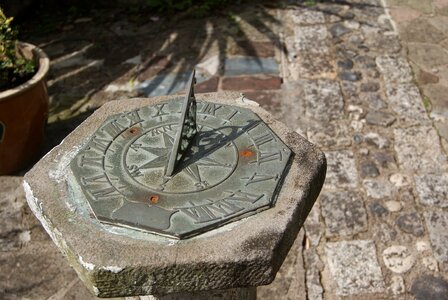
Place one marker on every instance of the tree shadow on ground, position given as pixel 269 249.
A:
pixel 96 48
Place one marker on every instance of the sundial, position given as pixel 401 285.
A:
pixel 181 167
pixel 199 195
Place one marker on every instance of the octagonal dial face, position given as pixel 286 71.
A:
pixel 233 168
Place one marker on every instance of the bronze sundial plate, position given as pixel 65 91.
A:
pixel 234 168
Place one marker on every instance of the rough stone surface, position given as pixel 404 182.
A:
pixel 406 101
pixel 354 267
pixel 338 30
pixel 341 169
pixel 411 223
pixel 378 188
pixel 437 223
pixel 312 39
pixel 394 69
pixel 429 287
pixel 107 261
pixel 323 99
pixel 398 259
pixel 379 118
pixel 377 140
pixel 378 210
pixel 418 149
pixel 343 212
pixel 397 285
pixel 433 189
pixel 369 169
pixel 313 275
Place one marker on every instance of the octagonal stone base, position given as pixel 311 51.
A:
pixel 116 262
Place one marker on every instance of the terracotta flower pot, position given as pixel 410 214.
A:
pixel 23 115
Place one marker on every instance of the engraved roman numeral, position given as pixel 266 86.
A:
pixel 100 187
pixel 113 129
pixel 209 109
pixel 91 161
pixel 98 144
pixel 258 178
pixel 133 117
pixel 210 162
pixel 200 214
pixel 160 130
pixel 264 157
pixel 243 196
pixel 225 208
pixel 159 110
pixel 96 179
pixel 210 212
pixel 135 147
pixel 263 139
pixel 252 124
pixel 134 171
pixel 230 116
pixel 104 193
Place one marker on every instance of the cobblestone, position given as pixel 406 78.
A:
pixel 354 267
pixel 411 223
pixel 406 101
pixel 312 39
pixel 398 259
pixel 394 69
pixel 418 149
pixel 433 189
pixel 437 223
pixel 378 188
pixel 341 170
pixel 344 213
pixel 380 118
pixel 429 287
pixel 323 99
pixel 397 285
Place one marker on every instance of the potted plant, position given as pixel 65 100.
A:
pixel 23 99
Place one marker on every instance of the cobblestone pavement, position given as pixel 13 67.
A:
pixel 334 71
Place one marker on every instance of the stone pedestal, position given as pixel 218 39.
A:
pixel 120 262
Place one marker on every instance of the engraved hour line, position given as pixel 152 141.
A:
pixel 133 117
pixel 210 162
pixel 100 187
pixel 259 177
pixel 263 139
pixel 114 128
pixel 264 157
pixel 243 196
pixel 99 144
pixel 135 146
pixel 134 171
pixel 230 116
pixel 92 161
pixel 209 109
pixel 220 208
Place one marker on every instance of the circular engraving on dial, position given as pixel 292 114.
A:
pixel 202 169
pixel 234 167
